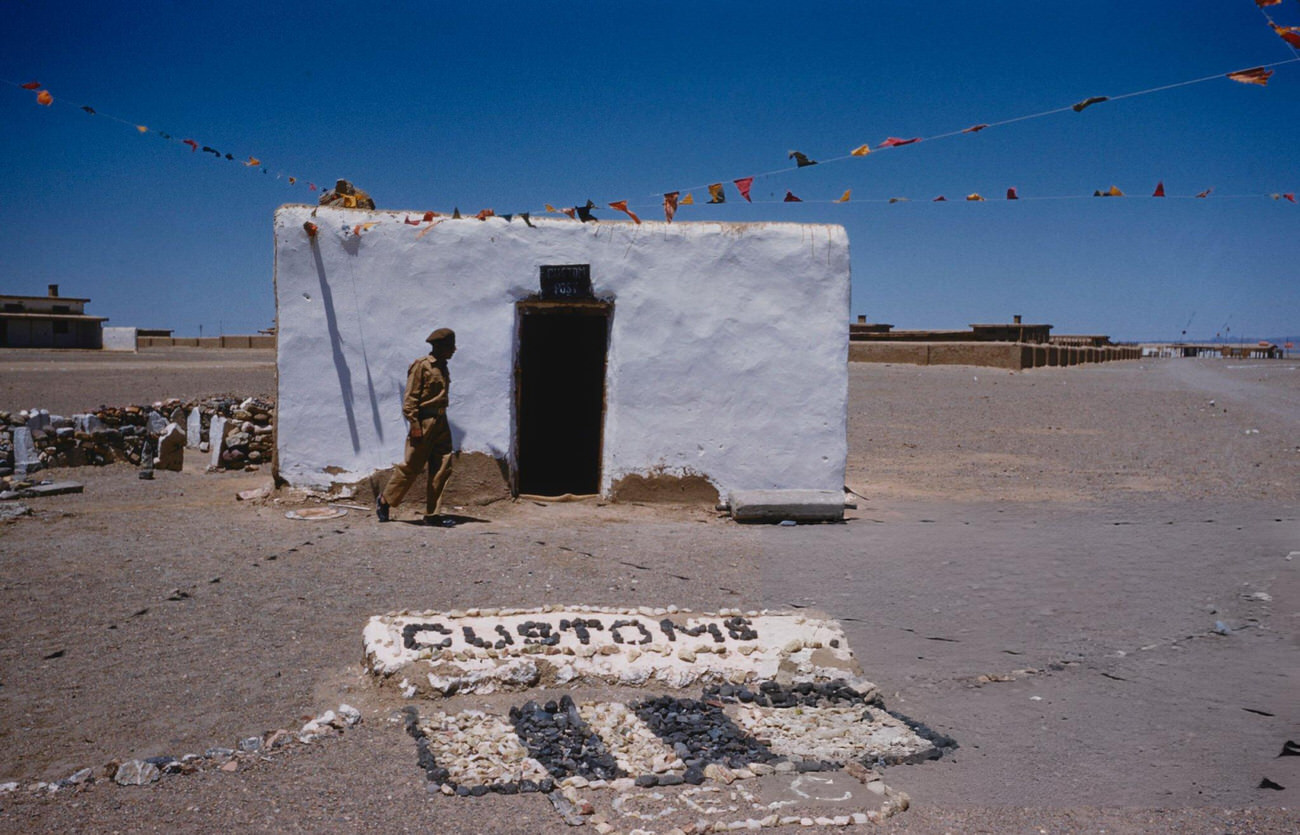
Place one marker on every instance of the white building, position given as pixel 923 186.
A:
pixel 588 352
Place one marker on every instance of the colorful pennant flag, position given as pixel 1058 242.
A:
pixel 860 151
pixel 898 200
pixel 974 129
pixel 1205 193
pixel 32 85
pixel 573 215
pixel 1089 102
pixel 142 128
pixel 1263 3
pixel 253 162
pixel 688 200
pixel 194 146
pixel 1289 196
pixel 410 222
pixel 621 205
pixel 485 214
pixel 1290 34
pixel 44 97
pixel 894 142
pixel 1258 75
pixel 800 159
pixel 1011 194
pixel 1113 192
pixel 670 205
pixel 940 199
pixel 88 109
pixel 716 195
pixel 527 216
pixel 584 212
pixel 1160 189
pixel 844 198
pixel 207 149
pixel 790 198
pixel 743 185
pixel 974 198
pixel 552 209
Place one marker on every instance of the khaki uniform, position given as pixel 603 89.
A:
pixel 427 387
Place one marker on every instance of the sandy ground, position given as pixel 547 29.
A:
pixel 1078 532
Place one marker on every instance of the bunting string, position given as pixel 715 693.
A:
pixel 671 201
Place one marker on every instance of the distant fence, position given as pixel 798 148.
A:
pixel 234 341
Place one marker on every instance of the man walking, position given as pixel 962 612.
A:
pixel 428 441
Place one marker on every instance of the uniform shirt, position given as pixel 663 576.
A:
pixel 428 385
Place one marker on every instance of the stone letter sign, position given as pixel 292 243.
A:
pixel 439 653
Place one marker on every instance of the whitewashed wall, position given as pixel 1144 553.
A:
pixel 727 358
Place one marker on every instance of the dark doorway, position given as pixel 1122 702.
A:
pixel 560 396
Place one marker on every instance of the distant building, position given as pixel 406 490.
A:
pixel 1015 331
pixel 50 321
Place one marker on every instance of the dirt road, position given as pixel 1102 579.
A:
pixel 1037 571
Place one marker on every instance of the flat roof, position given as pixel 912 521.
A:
pixel 46 298
pixel 74 317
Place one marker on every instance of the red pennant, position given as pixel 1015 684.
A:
pixel 429 216
pixel 1160 189
pixel 194 146
pixel 485 214
pixel 790 198
pixel 940 199
pixel 621 205
pixel 32 85
pixel 1205 193
pixel 1290 196
pixel 742 185
pixel 311 186
pixel 410 222
pixel 1258 75
pixel 974 128
pixel 670 205
pixel 571 212
pixel 894 142
pixel 1011 194
pixel 1290 34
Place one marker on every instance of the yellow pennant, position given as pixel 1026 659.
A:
pixel 253 162
pixel 142 128
pixel 688 200
pixel 974 198
pixel 860 151
pixel 1114 192
pixel 844 198
pixel 552 209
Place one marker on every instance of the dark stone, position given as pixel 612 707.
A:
pixel 671 779
pixel 478 791
pixel 647 781
pixel 694 775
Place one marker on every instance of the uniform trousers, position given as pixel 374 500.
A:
pixel 433 450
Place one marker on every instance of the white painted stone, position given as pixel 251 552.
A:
pixel 25 455
pixel 171 448
pixel 727 352
pixel 216 438
pixel 194 428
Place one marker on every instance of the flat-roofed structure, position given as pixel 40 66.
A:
pixel 49 321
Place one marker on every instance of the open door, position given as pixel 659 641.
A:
pixel 560 395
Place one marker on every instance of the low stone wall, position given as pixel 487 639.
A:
pixel 232 341
pixel 1014 356
pixel 34 439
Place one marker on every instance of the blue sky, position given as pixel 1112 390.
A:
pixel 515 105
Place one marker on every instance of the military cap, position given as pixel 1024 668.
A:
pixel 441 335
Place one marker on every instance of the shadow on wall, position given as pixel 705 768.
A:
pixel 341 362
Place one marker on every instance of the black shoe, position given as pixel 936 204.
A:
pixel 381 508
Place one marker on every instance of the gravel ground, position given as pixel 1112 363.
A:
pixel 1071 536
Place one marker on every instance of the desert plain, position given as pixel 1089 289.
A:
pixel 1086 577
